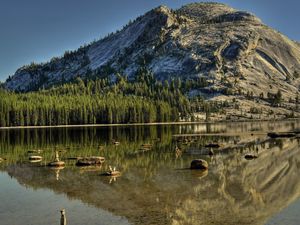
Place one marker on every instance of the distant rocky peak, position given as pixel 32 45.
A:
pixel 215 12
pixel 231 49
pixel 162 9
pixel 205 10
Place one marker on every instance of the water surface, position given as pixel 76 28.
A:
pixel 155 187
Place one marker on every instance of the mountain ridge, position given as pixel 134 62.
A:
pixel 233 50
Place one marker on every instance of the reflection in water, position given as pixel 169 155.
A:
pixel 24 205
pixel 57 171
pixel 289 215
pixel 155 186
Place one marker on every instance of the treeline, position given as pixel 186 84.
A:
pixel 143 100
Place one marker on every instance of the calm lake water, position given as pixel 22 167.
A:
pixel 155 187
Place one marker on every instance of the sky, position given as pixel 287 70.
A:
pixel 37 30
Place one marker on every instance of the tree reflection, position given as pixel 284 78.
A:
pixel 155 186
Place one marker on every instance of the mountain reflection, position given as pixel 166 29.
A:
pixel 155 186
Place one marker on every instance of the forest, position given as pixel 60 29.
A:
pixel 101 101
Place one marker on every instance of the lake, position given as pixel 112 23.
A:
pixel 156 185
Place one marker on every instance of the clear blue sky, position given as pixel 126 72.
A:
pixel 37 30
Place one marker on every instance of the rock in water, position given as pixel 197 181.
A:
pixel 35 157
pixel 90 161
pixel 250 157
pixel 212 145
pixel 281 135
pixel 112 173
pixel 56 164
pixel 199 164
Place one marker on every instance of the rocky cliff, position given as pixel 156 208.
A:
pixel 233 50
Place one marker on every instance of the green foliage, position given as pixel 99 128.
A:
pixel 96 99
pixel 255 110
pixel 88 102
pixel 275 99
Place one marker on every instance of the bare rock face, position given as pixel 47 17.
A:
pixel 233 50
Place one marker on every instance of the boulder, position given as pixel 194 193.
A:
pixel 199 164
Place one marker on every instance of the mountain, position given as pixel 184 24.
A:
pixel 233 51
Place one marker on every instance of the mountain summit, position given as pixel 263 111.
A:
pixel 232 50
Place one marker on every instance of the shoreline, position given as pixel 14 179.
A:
pixel 145 124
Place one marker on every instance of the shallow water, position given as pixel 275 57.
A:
pixel 155 186
pixel 289 215
pixel 22 204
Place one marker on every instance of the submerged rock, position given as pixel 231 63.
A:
pixel 35 157
pixel 281 135
pixel 35 151
pixel 89 161
pixel 199 151
pixel 56 164
pixel 250 157
pixel 112 173
pixel 116 143
pixel 212 145
pixel 199 164
pixel 146 145
pixel 35 161
pixel 74 158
